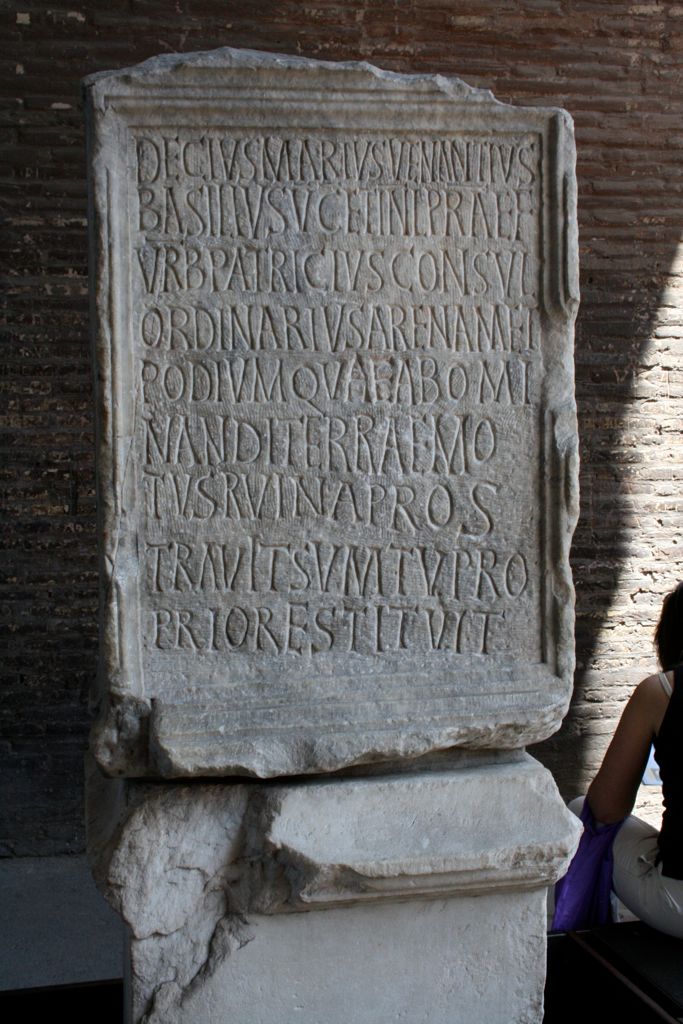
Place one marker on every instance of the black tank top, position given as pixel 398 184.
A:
pixel 669 756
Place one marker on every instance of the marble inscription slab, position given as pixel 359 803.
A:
pixel 333 316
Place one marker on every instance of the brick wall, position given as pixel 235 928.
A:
pixel 617 67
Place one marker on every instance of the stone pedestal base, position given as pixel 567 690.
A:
pixel 469 959
pixel 417 897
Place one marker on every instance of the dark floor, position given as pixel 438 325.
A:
pixel 96 1003
pixel 623 972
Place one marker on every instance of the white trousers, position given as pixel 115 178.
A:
pixel 638 881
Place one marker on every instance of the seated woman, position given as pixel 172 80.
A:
pixel 648 865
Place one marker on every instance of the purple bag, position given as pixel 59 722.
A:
pixel 582 897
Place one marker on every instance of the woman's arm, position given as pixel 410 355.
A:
pixel 612 793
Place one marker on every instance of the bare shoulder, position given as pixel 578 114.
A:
pixel 651 699
pixel 651 685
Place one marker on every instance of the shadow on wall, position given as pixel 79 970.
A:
pixel 617 68
pixel 626 551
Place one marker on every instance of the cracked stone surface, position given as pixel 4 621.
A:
pixel 262 901
pixel 167 866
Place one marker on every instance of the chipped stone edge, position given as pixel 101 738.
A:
pixel 273 874
pixel 302 754
pixel 228 57
pixel 517 864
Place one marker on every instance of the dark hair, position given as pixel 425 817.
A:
pixel 669 631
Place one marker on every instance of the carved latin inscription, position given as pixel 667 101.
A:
pixel 338 352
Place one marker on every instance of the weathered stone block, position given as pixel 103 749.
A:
pixel 351 899
pixel 337 431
